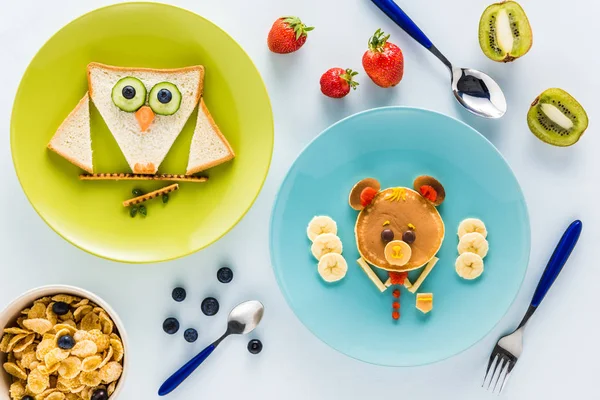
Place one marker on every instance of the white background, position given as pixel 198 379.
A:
pixel 561 349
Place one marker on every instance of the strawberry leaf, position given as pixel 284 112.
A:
pixel 297 26
pixel 378 41
pixel 348 76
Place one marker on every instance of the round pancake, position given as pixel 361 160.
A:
pixel 399 206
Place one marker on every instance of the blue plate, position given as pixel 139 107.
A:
pixel 395 145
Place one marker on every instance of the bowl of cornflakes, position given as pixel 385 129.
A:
pixel 61 343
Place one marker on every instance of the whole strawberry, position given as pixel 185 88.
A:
pixel 337 82
pixel 287 35
pixel 383 62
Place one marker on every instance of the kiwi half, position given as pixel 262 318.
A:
pixel 504 32
pixel 557 118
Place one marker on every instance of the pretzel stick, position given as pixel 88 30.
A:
pixel 141 177
pixel 151 195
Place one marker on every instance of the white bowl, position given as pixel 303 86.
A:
pixel 10 314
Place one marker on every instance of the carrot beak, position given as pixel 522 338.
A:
pixel 144 117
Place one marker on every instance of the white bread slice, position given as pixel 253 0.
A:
pixel 73 139
pixel 209 147
pixel 145 151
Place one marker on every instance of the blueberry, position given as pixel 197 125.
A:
pixel 225 275
pixel 409 236
pixel 60 308
pixel 387 235
pixel 164 96
pixel 171 326
pixel 99 394
pixel 255 346
pixel 128 92
pixel 66 342
pixel 210 306
pixel 179 294
pixel 27 397
pixel 190 335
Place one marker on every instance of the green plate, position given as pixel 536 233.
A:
pixel 90 214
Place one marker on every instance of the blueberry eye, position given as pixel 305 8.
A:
pixel 128 92
pixel 164 96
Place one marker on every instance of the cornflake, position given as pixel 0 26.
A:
pixel 40 368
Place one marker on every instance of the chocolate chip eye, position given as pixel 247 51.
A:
pixel 409 236
pixel 387 235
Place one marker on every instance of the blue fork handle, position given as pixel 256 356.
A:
pixel 397 15
pixel 185 371
pixel 557 261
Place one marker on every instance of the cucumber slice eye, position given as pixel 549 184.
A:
pixel 129 94
pixel 164 98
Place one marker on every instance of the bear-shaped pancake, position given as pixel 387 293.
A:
pixel 398 229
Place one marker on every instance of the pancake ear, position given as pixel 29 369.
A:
pixel 354 198
pixel 430 188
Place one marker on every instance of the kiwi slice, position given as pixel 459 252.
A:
pixel 557 118
pixel 504 32
pixel 164 98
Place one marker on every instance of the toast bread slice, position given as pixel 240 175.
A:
pixel 73 139
pixel 209 147
pixel 144 151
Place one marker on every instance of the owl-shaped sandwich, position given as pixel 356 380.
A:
pixel 398 229
pixel 145 110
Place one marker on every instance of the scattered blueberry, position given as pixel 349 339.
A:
pixel 142 210
pixel 387 235
pixel 133 211
pixel 99 394
pixel 255 346
pixel 179 294
pixel 225 275
pixel 137 192
pixel 60 308
pixel 66 342
pixel 164 96
pixel 210 306
pixel 128 92
pixel 27 397
pixel 171 326
pixel 190 335
pixel 409 236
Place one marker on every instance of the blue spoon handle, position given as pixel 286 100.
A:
pixel 557 261
pixel 397 15
pixel 185 371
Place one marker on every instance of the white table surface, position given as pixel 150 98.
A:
pixel 561 349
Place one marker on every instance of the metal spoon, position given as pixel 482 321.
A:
pixel 242 320
pixel 473 89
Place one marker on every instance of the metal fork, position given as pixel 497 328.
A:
pixel 508 349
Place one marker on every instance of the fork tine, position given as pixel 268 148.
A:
pixel 493 356
pixel 511 365
pixel 503 363
pixel 493 370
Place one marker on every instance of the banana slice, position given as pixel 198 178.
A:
pixel 332 267
pixel 397 252
pixel 324 244
pixel 473 242
pixel 469 265
pixel 472 225
pixel 319 225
